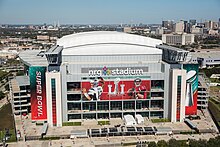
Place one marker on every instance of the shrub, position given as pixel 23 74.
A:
pixel 72 123
pixel 160 120
pixel 104 122
pixel 50 138
pixel 39 124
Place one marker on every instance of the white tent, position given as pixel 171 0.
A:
pixel 129 120
pixel 139 119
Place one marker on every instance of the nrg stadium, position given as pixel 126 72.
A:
pixel 103 74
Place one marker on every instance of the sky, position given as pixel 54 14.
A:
pixel 106 11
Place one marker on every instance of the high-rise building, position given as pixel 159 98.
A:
pixel 179 27
pixel 185 26
pixel 219 22
pixel 188 28
pixel 168 24
pixel 215 25
pixel 208 24
pixel 192 21
pixel 211 25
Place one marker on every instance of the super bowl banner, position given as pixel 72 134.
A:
pixel 115 89
pixel 38 93
pixel 191 88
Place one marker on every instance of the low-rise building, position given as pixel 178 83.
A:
pixel 215 76
pixel 8 54
pixel 127 29
pixel 196 29
pixel 43 37
pixel 159 31
pixel 20 94
pixel 203 92
pixel 206 58
pixel 178 39
pixel 213 32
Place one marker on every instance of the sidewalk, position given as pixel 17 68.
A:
pixel 102 141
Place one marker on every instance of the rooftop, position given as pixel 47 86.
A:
pixel 206 54
pixel 172 48
pixel 108 43
pixel 23 80
pixel 33 58
pixel 173 54
pixel 54 50
pixel 94 43
pixel 19 81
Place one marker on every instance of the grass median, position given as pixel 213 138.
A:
pixel 72 123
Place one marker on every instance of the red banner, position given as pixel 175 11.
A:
pixel 192 110
pixel 38 93
pixel 115 89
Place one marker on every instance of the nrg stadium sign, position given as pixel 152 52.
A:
pixel 115 71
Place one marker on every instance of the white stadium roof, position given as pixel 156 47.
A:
pixel 108 43
pixel 95 43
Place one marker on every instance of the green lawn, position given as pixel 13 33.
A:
pixel 12 135
pixel 214 107
pixel 6 117
pixel 160 120
pixel 7 121
pixel 215 88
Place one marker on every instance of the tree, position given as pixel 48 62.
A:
pixel 213 142
pixel 202 143
pixel 162 143
pixel 173 143
pixel 7 87
pixel 2 95
pixel 152 144
pixel 20 73
pixel 193 143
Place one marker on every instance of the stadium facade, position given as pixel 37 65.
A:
pixel 101 74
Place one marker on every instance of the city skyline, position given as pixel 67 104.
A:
pixel 106 12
